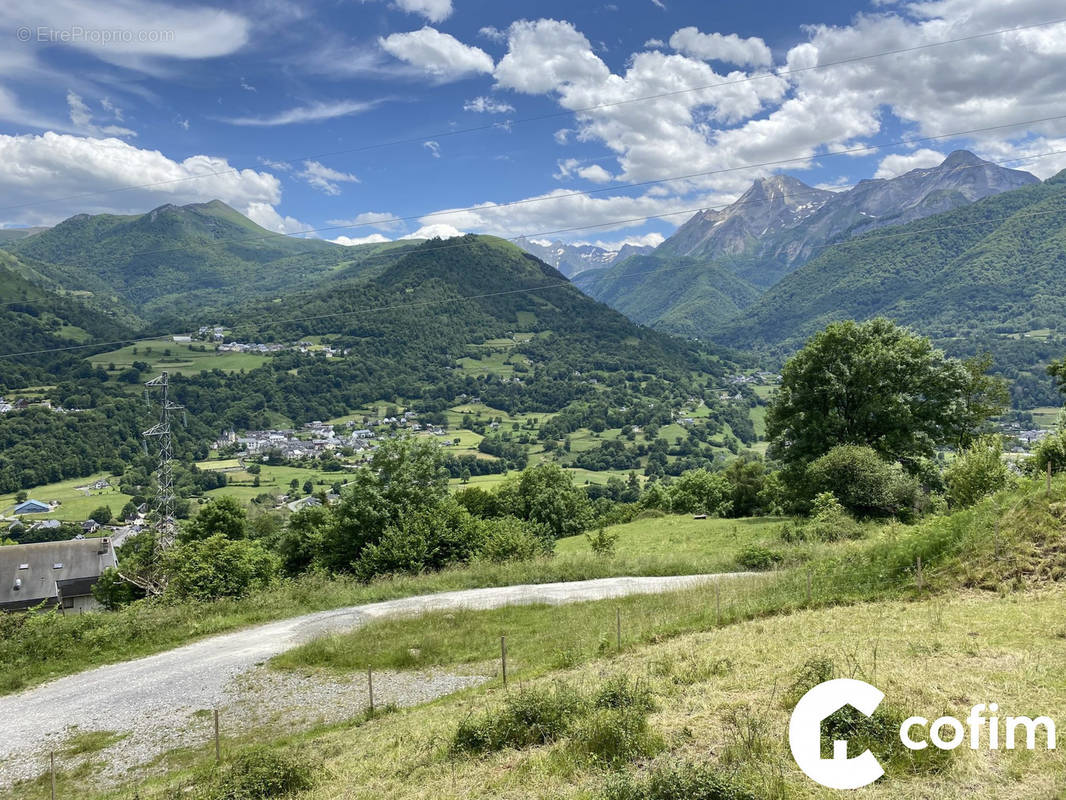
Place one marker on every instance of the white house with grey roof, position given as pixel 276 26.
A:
pixel 58 574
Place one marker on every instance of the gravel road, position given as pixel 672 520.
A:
pixel 159 702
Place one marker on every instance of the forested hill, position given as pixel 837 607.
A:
pixel 177 259
pixel 34 319
pixel 435 302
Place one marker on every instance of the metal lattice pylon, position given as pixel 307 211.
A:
pixel 166 525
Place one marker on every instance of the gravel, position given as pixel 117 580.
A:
pixel 164 701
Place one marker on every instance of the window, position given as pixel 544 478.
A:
pixel 58 565
pixel 68 602
pixel 24 566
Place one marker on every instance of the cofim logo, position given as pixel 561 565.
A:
pixel 982 728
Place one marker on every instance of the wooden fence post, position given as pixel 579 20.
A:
pixel 717 603
pixel 618 626
pixel 1049 477
pixel 503 658
pixel 52 770
pixel 218 744
pixel 808 586
pixel 370 688
pixel 918 574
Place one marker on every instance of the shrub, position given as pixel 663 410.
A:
pixel 603 542
pixel 756 556
pixel 216 567
pixel 830 522
pixel 619 692
pixel 701 492
pixel 1051 449
pixel 614 736
pixel 864 483
pixel 528 717
pixel 683 781
pixel 257 774
pixel 512 539
pixel 977 472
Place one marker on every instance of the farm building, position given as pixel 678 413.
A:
pixel 32 507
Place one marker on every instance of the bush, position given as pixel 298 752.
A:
pixel 757 557
pixel 257 774
pixel 511 539
pixel 102 515
pixel 603 542
pixel 1051 449
pixel 426 541
pixel 830 522
pixel 977 472
pixel 217 567
pixel 864 483
pixel 619 692
pixel 528 717
pixel 701 492
pixel 615 736
pixel 682 781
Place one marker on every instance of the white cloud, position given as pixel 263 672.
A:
pixel 548 55
pixel 439 55
pixel 493 33
pixel 595 173
pixel 324 178
pixel 374 238
pixel 53 176
pixel 371 219
pixel 433 147
pixel 136 30
pixel 653 43
pixel 433 10
pixel 898 163
pixel 267 216
pixel 247 86
pixel 81 117
pixel 315 112
pixel 653 239
pixel 487 105
pixel 435 231
pixel 716 47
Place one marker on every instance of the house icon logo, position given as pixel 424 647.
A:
pixel 805 734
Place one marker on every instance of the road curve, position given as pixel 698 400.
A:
pixel 139 697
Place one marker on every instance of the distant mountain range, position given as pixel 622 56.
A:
pixel 778 225
pixel 572 259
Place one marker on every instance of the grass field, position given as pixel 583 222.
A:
pixel 180 361
pixel 76 505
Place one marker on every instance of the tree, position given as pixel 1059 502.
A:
pixel 102 515
pixel 207 569
pixel 223 516
pixel 878 385
pixel 21 496
pixel 405 476
pixel 111 591
pixel 308 487
pixel 701 492
pixel 545 493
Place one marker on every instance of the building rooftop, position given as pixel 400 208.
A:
pixel 30 573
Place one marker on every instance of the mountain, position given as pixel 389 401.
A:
pixel 178 259
pixel 572 259
pixel 779 224
pixel 683 295
pixel 992 270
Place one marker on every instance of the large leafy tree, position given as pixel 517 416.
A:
pixel 877 384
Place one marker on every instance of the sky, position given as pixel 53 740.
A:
pixel 366 120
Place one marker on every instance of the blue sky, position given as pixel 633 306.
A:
pixel 278 107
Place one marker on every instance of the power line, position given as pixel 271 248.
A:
pixel 618 187
pixel 402 252
pixel 555 114
pixel 524 290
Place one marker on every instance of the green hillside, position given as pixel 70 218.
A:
pixel 177 259
pixel 33 319
pixel 681 295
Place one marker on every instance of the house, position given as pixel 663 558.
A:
pixel 90 526
pixel 32 507
pixel 58 574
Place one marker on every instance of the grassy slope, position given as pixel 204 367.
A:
pixel 942 654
